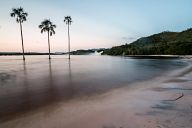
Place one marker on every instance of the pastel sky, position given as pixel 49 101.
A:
pixel 96 23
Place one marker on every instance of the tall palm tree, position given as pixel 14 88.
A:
pixel 68 21
pixel 47 26
pixel 21 16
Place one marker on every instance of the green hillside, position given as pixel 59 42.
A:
pixel 165 43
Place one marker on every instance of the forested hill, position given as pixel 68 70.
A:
pixel 165 43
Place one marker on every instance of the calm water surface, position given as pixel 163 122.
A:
pixel 38 81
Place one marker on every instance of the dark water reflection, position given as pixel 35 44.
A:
pixel 39 82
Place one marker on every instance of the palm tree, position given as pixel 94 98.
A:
pixel 47 26
pixel 20 18
pixel 68 21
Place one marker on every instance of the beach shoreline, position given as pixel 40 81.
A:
pixel 149 104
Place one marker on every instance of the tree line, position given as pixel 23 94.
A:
pixel 45 26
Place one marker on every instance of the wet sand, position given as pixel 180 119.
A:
pixel 149 104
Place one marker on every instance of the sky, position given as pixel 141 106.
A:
pixel 96 23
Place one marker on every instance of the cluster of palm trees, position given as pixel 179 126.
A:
pixel 45 26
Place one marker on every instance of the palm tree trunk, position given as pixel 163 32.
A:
pixel 69 41
pixel 49 45
pixel 22 41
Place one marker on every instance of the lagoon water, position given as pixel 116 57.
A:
pixel 39 82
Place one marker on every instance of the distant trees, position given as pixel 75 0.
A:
pixel 47 26
pixel 68 21
pixel 21 16
pixel 165 43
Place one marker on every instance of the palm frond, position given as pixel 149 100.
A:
pixel 12 14
pixel 43 30
pixel 18 20
pixel 47 26
pixel 68 20
pixel 52 30
pixel 23 18
pixel 51 33
pixel 25 14
pixel 19 14
pixel 14 10
pixel 54 26
pixel 40 26
pixel 20 9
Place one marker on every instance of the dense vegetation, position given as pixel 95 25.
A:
pixel 172 43
pixel 82 52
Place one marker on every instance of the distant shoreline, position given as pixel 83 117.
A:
pixel 130 56
pixel 19 54
pixel 77 52
pixel 160 56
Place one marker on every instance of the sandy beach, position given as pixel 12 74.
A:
pixel 164 102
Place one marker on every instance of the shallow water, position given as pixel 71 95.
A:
pixel 39 82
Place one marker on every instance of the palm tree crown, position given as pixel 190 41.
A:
pixel 47 26
pixel 68 20
pixel 19 14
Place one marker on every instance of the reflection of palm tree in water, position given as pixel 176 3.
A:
pixel 26 92
pixel 25 79
pixel 70 81
pixel 70 76
pixel 24 68
pixel 50 74
pixel 52 92
pixel 52 88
